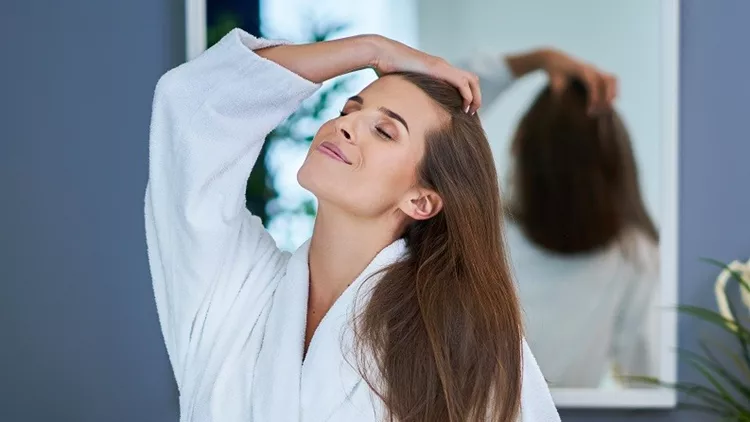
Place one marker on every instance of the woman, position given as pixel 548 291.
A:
pixel 584 249
pixel 400 307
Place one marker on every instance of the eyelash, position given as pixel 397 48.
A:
pixel 380 131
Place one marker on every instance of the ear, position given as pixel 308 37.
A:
pixel 422 204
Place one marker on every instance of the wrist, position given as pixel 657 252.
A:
pixel 524 63
pixel 369 49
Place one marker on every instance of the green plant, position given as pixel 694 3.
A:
pixel 225 22
pixel 727 390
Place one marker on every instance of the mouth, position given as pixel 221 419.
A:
pixel 333 151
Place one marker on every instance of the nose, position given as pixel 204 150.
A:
pixel 346 128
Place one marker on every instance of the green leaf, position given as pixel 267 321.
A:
pixel 742 332
pixel 705 409
pixel 740 362
pixel 716 384
pixel 717 398
pixel 646 380
pixel 695 391
pixel 712 363
pixel 224 23
pixel 323 32
pixel 741 338
pixel 717 319
pixel 707 396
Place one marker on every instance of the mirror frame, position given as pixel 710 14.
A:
pixel 195 44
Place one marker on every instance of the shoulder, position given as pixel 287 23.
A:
pixel 641 251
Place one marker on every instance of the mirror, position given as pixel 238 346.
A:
pixel 596 290
pixel 592 312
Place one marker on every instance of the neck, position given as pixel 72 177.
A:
pixel 341 248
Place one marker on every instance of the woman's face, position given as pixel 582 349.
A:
pixel 366 161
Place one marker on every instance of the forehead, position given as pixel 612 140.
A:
pixel 406 99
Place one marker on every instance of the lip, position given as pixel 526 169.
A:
pixel 333 151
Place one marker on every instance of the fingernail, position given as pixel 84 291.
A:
pixel 467 109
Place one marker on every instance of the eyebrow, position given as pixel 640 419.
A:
pixel 388 112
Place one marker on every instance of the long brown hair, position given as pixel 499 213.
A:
pixel 442 328
pixel 575 181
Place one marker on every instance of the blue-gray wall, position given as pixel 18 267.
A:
pixel 79 338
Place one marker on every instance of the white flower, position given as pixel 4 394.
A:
pixel 721 291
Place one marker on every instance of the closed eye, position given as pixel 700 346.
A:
pixel 384 133
pixel 380 131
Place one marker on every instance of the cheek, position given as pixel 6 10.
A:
pixel 371 189
pixel 390 173
pixel 384 178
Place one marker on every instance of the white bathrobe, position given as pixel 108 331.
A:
pixel 232 306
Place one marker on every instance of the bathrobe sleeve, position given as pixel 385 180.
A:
pixel 495 77
pixel 206 253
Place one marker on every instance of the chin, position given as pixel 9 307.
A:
pixel 336 185
pixel 326 187
pixel 305 178
pixel 315 179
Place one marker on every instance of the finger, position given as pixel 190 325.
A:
pixel 606 88
pixel 458 78
pixel 475 92
pixel 602 86
pixel 612 89
pixel 591 81
pixel 462 83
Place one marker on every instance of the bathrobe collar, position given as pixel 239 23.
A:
pixel 313 389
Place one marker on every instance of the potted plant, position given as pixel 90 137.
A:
pixel 726 370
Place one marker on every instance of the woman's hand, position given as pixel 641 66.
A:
pixel 392 56
pixel 561 67
pixel 601 86
pixel 322 61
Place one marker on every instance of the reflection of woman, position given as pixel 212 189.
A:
pixel 584 249
pixel 408 222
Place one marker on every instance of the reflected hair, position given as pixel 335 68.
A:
pixel 440 337
pixel 575 179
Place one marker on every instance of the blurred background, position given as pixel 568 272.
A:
pixel 79 336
